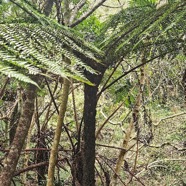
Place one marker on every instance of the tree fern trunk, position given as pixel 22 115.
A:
pixel 48 7
pixel 88 145
pixel 88 149
pixel 12 157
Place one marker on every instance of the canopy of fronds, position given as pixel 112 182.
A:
pixel 155 31
pixel 39 47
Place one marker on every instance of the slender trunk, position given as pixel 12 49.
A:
pixel 123 152
pixel 133 123
pixel 54 151
pixel 12 157
pixel 15 116
pixel 62 111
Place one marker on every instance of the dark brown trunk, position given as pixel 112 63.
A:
pixel 48 7
pixel 184 87
pixel 12 157
pixel 88 144
pixel 41 156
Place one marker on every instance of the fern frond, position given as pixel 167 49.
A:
pixel 65 31
pixel 22 48
pixel 35 49
pixel 10 72
pixel 132 37
pixel 12 60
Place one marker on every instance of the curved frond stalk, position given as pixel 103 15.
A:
pixel 148 25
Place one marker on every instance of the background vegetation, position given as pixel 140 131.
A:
pixel 92 92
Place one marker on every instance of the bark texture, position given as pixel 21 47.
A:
pixel 48 7
pixel 13 155
pixel 88 144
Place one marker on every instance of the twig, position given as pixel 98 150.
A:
pixel 112 170
pixel 76 10
pixel 88 13
pixel 98 172
pixel 4 87
pixel 120 6
pixel 114 147
pixel 106 174
pixel 33 150
pixel 132 69
pixel 65 127
pixel 133 175
pixel 111 74
pixel 104 123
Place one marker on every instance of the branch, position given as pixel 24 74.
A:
pixel 110 76
pixel 17 173
pixel 131 70
pixel 120 6
pixel 118 176
pixel 108 118
pixel 114 147
pixel 75 10
pixel 33 149
pixel 109 146
pixel 133 175
pixel 168 117
pixel 24 9
pixel 88 13
pixel 4 87
pixel 166 144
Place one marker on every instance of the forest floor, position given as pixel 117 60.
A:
pixel 162 162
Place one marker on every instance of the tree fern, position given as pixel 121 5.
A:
pixel 42 46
